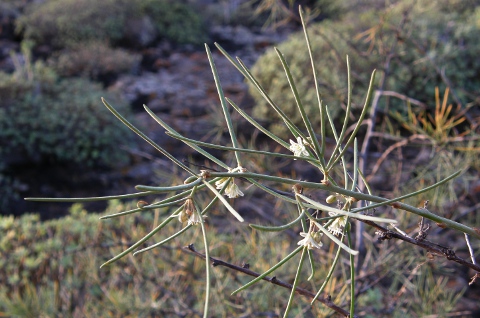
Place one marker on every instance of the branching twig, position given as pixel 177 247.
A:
pixel 435 249
pixel 216 262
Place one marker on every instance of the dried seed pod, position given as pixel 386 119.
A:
pixel 189 207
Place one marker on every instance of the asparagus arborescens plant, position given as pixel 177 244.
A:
pixel 305 145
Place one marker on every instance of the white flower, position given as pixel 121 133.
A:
pixel 194 219
pixel 221 183
pixel 232 190
pixel 298 148
pixel 310 240
pixel 338 224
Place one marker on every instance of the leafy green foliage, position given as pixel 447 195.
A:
pixel 421 46
pixel 44 119
pixel 65 23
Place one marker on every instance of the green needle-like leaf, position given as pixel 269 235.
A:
pixel 295 283
pixel 225 202
pixel 169 189
pixel 172 131
pixel 334 159
pixel 226 113
pixel 283 261
pixel 258 152
pixel 92 199
pixel 300 107
pixel 323 207
pixel 146 138
pixel 278 228
pixel 141 241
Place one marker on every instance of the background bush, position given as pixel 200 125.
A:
pixel 424 45
pixel 65 23
pixel 175 20
pixel 46 120
pixel 94 60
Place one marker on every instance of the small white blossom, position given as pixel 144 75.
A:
pixel 194 219
pixel 338 224
pixel 232 190
pixel 310 240
pixel 221 183
pixel 298 148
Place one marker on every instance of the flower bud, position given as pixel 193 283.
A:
pixel 331 199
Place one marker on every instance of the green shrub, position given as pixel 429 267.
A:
pixel 422 44
pixel 65 23
pixel 94 60
pixel 174 20
pixel 44 119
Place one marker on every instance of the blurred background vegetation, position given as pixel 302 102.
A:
pixel 59 57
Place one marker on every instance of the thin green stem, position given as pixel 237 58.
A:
pixel 355 165
pixel 92 199
pixel 257 125
pixel 275 267
pixel 278 228
pixel 169 189
pixel 207 264
pixel 290 125
pixel 152 206
pixel 295 283
pixel 312 265
pixel 362 196
pixel 352 272
pixel 329 275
